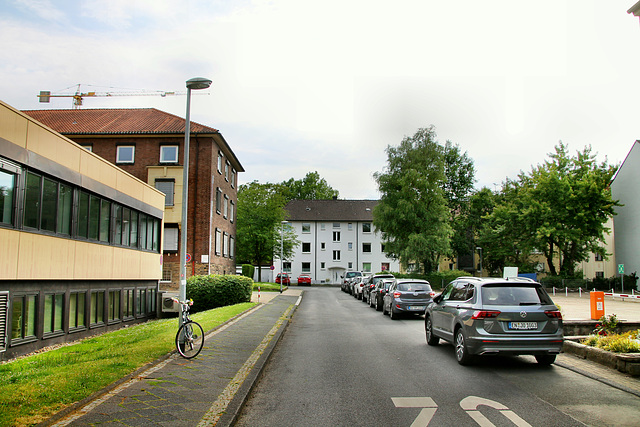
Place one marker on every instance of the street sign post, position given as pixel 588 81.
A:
pixel 621 272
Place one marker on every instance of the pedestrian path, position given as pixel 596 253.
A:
pixel 206 390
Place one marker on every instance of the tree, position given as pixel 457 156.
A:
pixel 412 213
pixel 311 187
pixel 259 224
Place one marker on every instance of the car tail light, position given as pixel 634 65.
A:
pixel 432 294
pixel 396 294
pixel 554 314
pixel 485 314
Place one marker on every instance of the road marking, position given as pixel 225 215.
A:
pixel 470 405
pixel 424 417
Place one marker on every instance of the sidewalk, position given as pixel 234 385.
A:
pixel 207 390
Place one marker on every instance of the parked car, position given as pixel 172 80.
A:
pixel 358 284
pixel 349 275
pixel 285 279
pixel 372 282
pixel 304 279
pixel 485 316
pixel 378 292
pixel 407 296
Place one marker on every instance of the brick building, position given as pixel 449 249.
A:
pixel 148 144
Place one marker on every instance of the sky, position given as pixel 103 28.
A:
pixel 328 85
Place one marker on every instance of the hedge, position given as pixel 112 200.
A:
pixel 438 280
pixel 248 270
pixel 218 290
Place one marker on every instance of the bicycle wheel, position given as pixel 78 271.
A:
pixel 190 339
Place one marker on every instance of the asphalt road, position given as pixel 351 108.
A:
pixel 341 363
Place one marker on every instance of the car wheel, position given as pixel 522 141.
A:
pixel 377 305
pixel 431 339
pixel 462 353
pixel 546 359
pixel 392 315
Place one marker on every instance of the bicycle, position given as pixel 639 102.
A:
pixel 190 336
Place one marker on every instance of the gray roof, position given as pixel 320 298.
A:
pixel 330 210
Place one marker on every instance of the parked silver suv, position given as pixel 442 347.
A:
pixel 483 316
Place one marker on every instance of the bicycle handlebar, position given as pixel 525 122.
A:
pixel 188 302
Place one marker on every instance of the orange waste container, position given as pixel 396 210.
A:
pixel 597 305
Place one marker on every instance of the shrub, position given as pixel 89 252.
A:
pixel 247 270
pixel 617 343
pixel 217 290
pixel 606 325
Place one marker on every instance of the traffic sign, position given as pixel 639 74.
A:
pixel 188 258
pixel 620 268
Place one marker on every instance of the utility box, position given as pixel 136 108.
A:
pixel 168 305
pixel 597 305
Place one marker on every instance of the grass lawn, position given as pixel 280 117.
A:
pixel 35 387
pixel 268 287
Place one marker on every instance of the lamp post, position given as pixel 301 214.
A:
pixel 194 83
pixel 479 249
pixel 282 223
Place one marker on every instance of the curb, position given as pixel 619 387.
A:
pixel 624 362
pixel 76 406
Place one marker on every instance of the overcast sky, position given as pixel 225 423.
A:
pixel 301 85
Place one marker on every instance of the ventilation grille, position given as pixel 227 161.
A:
pixel 4 316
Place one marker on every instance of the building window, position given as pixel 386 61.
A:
pixel 167 186
pixel 141 307
pixel 168 154
pixel 227 166
pixel 336 255
pixel 366 227
pixel 322 266
pixel 225 245
pixel 599 257
pixel 336 236
pixel 306 267
pixel 366 267
pixel 286 267
pixel 125 153
pixel 53 312
pixel 170 239
pixel 8 181
pixel 88 147
pixel 127 299
pixel 23 317
pixel 350 246
pixel 306 228
pixel 323 246
pixel 226 206
pixel 322 226
pixel 350 267
pixel 114 306
pixel 366 247
pixel 76 310
pixel 232 211
pixel 306 247
pixel 599 274
pixel 218 200
pixel 97 308
pixel 232 247
pixel 220 162
pixel 350 226
pixel 166 275
pixel 218 241
pixel 233 178
pixel 336 225
pixel 384 266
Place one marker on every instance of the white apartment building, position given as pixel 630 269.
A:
pixel 335 236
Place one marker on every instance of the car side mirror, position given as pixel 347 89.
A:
pixel 437 298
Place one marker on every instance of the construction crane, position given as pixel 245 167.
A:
pixel 78 96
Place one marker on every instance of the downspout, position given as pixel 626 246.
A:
pixel 315 252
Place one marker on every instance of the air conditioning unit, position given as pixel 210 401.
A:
pixel 169 305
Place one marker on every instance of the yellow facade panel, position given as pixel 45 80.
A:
pixel 98 169
pixel 44 257
pixel 13 125
pixel 93 261
pixel 50 145
pixel 9 241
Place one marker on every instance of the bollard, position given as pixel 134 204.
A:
pixel 554 291
pixel 258 294
pixel 580 292
pixel 566 292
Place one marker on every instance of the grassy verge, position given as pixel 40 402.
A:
pixel 267 287
pixel 35 387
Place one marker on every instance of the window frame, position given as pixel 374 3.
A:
pixel 164 149
pixel 119 157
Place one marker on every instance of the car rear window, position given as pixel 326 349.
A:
pixel 514 295
pixel 414 287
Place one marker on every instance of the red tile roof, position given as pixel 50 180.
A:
pixel 115 121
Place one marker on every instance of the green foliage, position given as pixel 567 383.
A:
pixel 412 213
pixel 437 280
pixel 216 290
pixel 311 187
pixel 248 270
pixel 618 343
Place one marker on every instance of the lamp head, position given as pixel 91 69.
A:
pixel 198 83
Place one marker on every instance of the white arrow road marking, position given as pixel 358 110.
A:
pixel 470 405
pixel 424 417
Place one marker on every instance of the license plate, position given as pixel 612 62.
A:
pixel 415 308
pixel 523 325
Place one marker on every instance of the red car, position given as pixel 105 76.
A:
pixel 304 279
pixel 285 279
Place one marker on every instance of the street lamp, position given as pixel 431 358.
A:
pixel 194 83
pixel 479 249
pixel 281 252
